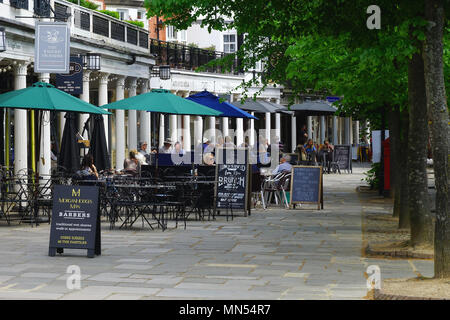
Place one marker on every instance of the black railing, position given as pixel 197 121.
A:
pixel 82 20
pixel 180 56
pixel 42 8
pixel 100 26
pixel 19 4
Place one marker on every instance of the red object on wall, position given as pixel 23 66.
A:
pixel 387 164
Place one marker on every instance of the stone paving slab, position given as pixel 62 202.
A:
pixel 272 254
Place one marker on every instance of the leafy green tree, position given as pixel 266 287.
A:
pixel 326 44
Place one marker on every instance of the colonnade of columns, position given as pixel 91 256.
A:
pixel 344 130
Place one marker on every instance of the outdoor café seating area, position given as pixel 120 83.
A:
pixel 162 194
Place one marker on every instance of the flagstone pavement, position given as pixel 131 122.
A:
pixel 271 254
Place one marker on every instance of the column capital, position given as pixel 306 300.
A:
pixel 120 81
pixel 86 75
pixel 20 68
pixel 145 85
pixel 132 82
pixel 103 77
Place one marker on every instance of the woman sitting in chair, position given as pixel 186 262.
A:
pixel 88 170
pixel 132 164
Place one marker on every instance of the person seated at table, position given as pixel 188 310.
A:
pixel 284 165
pixel 141 158
pixel 131 164
pixel 88 170
pixel 302 152
pixel 208 159
pixel 178 149
pixel 167 147
pixel 310 150
pixel 326 154
pixel 228 142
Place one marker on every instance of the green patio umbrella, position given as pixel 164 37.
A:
pixel 162 101
pixel 44 96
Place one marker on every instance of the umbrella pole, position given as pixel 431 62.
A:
pixel 33 141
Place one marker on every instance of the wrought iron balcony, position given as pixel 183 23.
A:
pixel 19 4
pixel 92 24
pixel 42 8
pixel 179 56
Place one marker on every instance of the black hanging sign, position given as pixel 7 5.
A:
pixel 307 185
pixel 72 83
pixel 75 219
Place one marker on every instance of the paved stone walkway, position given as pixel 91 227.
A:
pixel 273 254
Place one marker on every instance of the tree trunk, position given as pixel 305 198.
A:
pixel 419 208
pixel 438 114
pixel 403 222
pixel 396 154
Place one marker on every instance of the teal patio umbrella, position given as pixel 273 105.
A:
pixel 44 96
pixel 162 101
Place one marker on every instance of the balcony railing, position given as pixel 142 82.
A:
pixel 180 56
pixel 19 4
pixel 100 24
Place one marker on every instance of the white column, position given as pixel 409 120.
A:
pixel 294 132
pixel 45 160
pixel 173 124
pixel 85 97
pixel 335 130
pixel 356 136
pixel 351 130
pixel 239 131
pixel 268 127
pixel 161 130
pixel 120 124
pixel 347 130
pixel 145 118
pixel 103 99
pixel 198 130
pixel 20 122
pixel 62 122
pixel 225 129
pixel 179 127
pixel 252 130
pixel 187 133
pixel 132 117
pixel 278 125
pixel 322 129
pixel 212 128
pixel 310 128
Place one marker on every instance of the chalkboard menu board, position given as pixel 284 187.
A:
pixel 75 219
pixel 343 156
pixel 231 190
pixel 306 185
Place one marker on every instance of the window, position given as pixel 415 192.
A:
pixel 140 15
pixel 229 43
pixel 171 33
pixel 183 35
pixel 123 14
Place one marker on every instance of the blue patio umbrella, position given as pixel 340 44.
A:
pixel 212 101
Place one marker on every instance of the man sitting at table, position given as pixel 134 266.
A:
pixel 167 147
pixel 284 165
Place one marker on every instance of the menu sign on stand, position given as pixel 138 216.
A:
pixel 307 185
pixel 75 220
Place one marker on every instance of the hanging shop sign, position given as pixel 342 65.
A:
pixel 72 82
pixel 52 47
